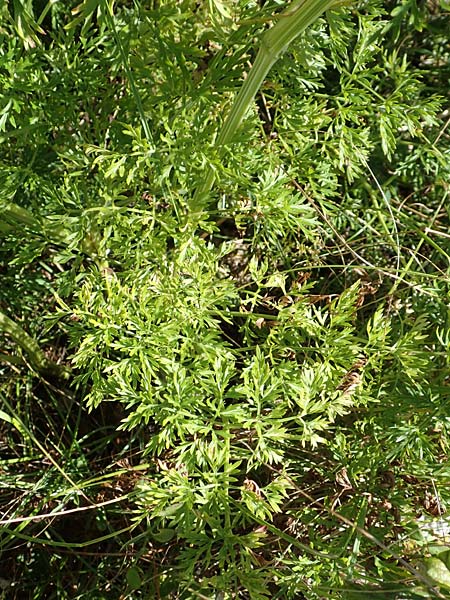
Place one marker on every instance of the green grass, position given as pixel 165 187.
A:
pixel 224 304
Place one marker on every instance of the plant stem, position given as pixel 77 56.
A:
pixel 17 215
pixel 14 216
pixel 274 42
pixel 37 358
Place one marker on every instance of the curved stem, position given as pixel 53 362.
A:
pixel 274 42
pixel 35 355
pixel 17 215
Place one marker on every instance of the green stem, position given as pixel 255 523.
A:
pixel 15 215
pixel 37 358
pixel 125 63
pixel 274 42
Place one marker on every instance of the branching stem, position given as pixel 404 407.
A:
pixel 274 42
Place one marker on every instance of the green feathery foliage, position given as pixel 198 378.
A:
pixel 224 233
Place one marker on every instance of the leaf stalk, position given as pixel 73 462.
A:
pixel 293 21
pixel 35 355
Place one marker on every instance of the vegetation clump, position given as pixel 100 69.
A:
pixel 225 333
